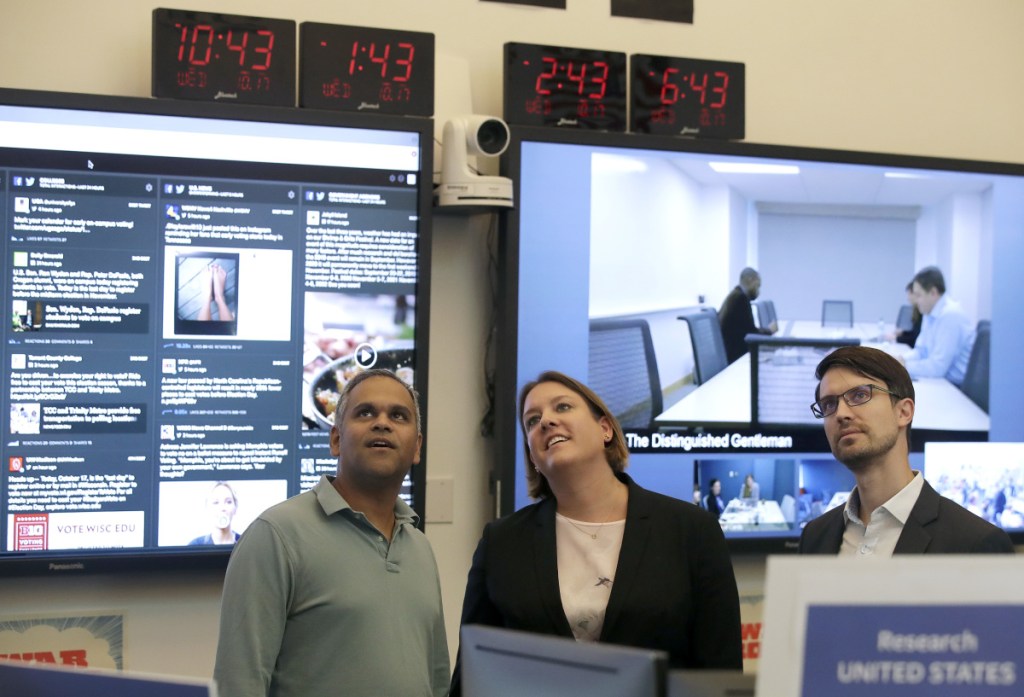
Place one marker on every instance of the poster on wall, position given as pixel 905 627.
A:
pixel 664 10
pixel 95 641
pixel 751 612
pixel 557 4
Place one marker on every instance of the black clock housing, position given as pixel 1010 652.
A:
pixel 566 87
pixel 687 97
pixel 352 68
pixel 219 57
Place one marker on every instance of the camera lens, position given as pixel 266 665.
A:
pixel 492 136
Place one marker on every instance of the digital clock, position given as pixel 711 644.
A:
pixel 569 87
pixel 687 97
pixel 200 55
pixel 366 69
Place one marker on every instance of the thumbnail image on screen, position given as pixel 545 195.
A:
pixel 206 293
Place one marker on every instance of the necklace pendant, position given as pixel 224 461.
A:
pixel 593 536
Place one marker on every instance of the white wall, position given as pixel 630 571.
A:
pixel 871 75
pixel 627 239
pixel 805 259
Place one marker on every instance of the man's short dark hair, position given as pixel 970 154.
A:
pixel 339 411
pixel 748 276
pixel 931 277
pixel 871 363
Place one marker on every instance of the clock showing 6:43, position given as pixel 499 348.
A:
pixel 687 97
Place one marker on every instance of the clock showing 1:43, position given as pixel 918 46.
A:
pixel 367 69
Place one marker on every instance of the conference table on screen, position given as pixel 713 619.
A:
pixel 724 400
pixel 740 514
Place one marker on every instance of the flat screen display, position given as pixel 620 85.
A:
pixel 649 234
pixel 189 287
pixel 499 662
pixel 985 478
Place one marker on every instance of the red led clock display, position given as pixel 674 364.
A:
pixel 366 69
pixel 559 86
pixel 201 55
pixel 687 96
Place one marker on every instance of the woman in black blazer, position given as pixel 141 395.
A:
pixel 597 557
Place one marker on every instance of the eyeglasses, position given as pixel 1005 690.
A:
pixel 854 397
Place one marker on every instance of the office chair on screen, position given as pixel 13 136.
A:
pixel 837 313
pixel 623 370
pixel 976 378
pixel 709 358
pixel 905 318
pixel 764 313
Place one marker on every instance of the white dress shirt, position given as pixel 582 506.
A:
pixel 879 537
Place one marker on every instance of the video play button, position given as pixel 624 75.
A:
pixel 366 356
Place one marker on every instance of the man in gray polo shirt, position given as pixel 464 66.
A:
pixel 335 591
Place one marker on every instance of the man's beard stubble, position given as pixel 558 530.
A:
pixel 859 460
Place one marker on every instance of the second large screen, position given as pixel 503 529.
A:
pixel 622 249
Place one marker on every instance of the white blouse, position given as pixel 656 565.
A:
pixel 588 554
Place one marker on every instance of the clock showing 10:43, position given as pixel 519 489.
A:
pixel 219 57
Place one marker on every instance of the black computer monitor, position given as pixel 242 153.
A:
pixel 189 287
pixel 621 226
pixel 709 683
pixel 499 662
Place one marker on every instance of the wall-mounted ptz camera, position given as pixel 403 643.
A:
pixel 461 185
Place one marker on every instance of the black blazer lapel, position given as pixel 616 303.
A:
pixel 827 536
pixel 635 541
pixel 915 537
pixel 545 560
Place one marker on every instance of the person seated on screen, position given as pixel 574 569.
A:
pixel 597 557
pixel 221 504
pixel 713 500
pixel 944 345
pixel 215 294
pixel 751 490
pixel 737 316
pixel 866 400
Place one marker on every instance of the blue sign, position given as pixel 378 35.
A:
pixel 913 651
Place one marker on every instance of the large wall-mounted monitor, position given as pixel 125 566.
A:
pixel 188 287
pixel 632 230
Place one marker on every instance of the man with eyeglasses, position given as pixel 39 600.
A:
pixel 866 399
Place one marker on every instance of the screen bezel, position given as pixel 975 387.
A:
pixel 507 381
pixel 177 558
